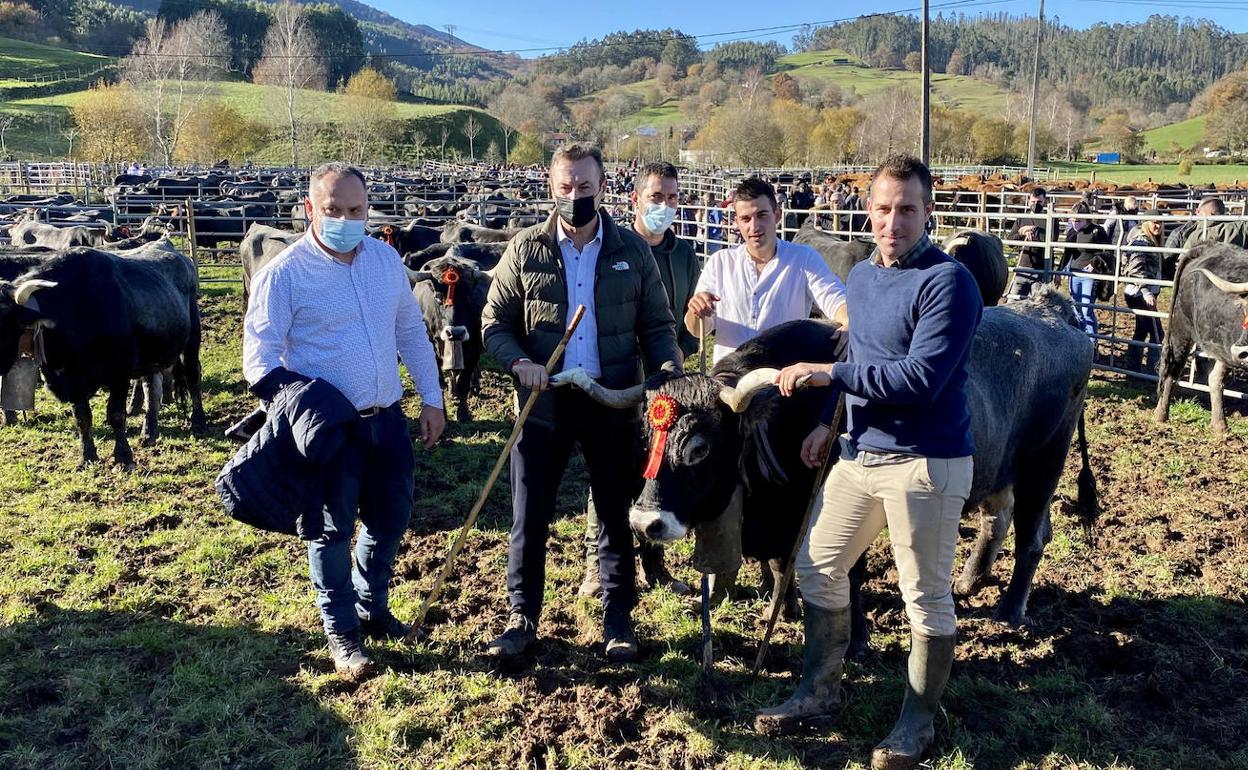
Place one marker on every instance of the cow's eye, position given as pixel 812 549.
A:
pixel 697 450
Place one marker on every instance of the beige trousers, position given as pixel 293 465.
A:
pixel 920 500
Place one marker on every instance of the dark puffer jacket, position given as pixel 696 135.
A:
pixel 527 310
pixel 679 269
pixel 276 480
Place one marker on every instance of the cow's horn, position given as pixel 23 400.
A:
pixel 1225 285
pixel 24 290
pixel 738 399
pixel 416 276
pixel 616 399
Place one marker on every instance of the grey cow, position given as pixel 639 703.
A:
pixel 1210 311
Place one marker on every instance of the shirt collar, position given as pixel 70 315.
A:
pixel 562 235
pixel 905 260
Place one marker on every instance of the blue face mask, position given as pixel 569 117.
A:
pixel 341 235
pixel 657 218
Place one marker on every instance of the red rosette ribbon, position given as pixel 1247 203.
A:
pixel 662 416
pixel 450 277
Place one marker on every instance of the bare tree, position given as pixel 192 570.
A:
pixel 173 67
pixel 471 129
pixel 70 135
pixel 6 123
pixel 292 63
pixel 444 133
pixel 417 143
pixel 518 109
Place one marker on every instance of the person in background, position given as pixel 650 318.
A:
pixel 1078 261
pixel 1140 296
pixel 1031 229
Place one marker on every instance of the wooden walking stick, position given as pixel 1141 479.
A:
pixel 783 587
pixel 489 483
pixel 708 646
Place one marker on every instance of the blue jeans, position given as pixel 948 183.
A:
pixel 1083 292
pixel 376 478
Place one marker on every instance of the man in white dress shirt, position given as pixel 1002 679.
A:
pixel 763 281
pixel 338 306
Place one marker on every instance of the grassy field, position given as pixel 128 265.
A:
pixel 1126 174
pixel 32 138
pixel 21 61
pixel 142 629
pixel 1184 135
pixel 955 91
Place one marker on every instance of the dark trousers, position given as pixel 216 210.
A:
pixel 1147 329
pixel 376 478
pixel 607 440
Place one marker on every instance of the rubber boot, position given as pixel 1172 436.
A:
pixel 818 694
pixel 654 572
pixel 931 658
pixel 591 583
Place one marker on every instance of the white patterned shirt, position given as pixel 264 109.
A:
pixel 346 324
pixel 580 269
pixel 794 280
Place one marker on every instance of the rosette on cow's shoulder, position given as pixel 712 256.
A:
pixel 662 416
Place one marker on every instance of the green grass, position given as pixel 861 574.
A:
pixel 30 138
pixel 1184 135
pixel 953 91
pixel 140 628
pixel 1127 174
pixel 21 60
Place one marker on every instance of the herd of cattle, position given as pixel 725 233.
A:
pixel 102 305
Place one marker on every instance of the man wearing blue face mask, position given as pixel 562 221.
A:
pixel 655 198
pixel 337 307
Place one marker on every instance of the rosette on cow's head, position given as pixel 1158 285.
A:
pixel 662 416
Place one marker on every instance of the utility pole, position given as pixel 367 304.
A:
pixel 1035 87
pixel 925 136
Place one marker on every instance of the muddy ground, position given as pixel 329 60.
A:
pixel 1134 656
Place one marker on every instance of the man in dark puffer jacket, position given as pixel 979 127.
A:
pixel 578 257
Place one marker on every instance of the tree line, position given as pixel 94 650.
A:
pixel 1162 61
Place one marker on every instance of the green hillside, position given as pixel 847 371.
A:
pixel 817 68
pixel 1180 136
pixel 23 64
pixel 32 138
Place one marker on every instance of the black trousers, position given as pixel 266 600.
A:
pixel 607 439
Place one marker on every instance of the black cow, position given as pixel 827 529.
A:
pixel 53 237
pixel 462 232
pixel 840 255
pixel 451 292
pixel 258 247
pixel 1028 379
pixel 107 318
pixel 219 221
pixel 408 238
pixel 1209 312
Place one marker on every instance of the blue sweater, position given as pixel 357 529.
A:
pixel 910 333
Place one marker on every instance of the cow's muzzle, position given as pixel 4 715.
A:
pixel 1239 355
pixel 656 526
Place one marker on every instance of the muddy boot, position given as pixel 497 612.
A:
pixel 818 694
pixel 930 661
pixel 350 660
pixel 654 572
pixel 591 583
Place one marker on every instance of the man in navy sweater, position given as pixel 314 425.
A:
pixel 905 462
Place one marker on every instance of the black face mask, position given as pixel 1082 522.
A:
pixel 1037 207
pixel 577 212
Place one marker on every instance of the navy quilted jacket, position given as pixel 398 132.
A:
pixel 277 479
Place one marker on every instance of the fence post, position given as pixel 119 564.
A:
pixel 190 231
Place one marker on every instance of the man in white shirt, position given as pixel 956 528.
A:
pixel 337 306
pixel 763 281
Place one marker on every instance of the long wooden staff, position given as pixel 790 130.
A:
pixel 489 484
pixel 783 587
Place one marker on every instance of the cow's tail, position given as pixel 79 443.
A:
pixel 1088 506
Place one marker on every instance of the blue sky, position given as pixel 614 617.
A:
pixel 540 24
